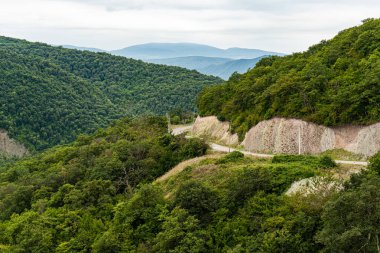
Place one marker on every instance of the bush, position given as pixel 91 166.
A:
pixel 374 163
pixel 326 162
pixel 221 118
pixel 176 120
pixel 197 199
pixel 194 147
pixel 245 184
pixel 294 158
pixel 231 157
pixel 323 162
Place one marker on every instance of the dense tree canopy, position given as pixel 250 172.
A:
pixel 49 95
pixel 62 199
pixel 333 83
pixel 98 194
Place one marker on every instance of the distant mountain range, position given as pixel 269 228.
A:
pixel 174 50
pixel 203 58
pixel 226 69
pixel 221 67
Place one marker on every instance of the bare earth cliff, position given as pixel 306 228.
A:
pixel 293 136
pixel 10 147
pixel 214 129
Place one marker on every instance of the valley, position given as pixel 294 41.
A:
pixel 203 58
pixel 102 153
pixel 51 95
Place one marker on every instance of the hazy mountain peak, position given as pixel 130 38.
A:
pixel 184 49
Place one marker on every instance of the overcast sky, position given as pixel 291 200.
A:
pixel 276 25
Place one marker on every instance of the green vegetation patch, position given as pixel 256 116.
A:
pixel 96 195
pixel 333 83
pixel 50 95
pixel 341 154
pixel 318 162
pixel 61 200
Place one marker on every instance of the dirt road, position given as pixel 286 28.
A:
pixel 225 149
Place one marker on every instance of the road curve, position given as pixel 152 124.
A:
pixel 226 149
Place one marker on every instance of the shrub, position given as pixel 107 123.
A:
pixel 374 163
pixel 194 147
pixel 326 162
pixel 323 162
pixel 293 158
pixel 245 184
pixel 231 157
pixel 197 199
pixel 176 120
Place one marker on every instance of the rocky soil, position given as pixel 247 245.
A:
pixel 213 129
pixel 293 136
pixel 10 147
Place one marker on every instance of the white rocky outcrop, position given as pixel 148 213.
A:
pixel 10 147
pixel 293 136
pixel 211 128
pixel 359 139
pixel 289 136
pixel 314 185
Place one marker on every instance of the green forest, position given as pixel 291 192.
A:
pixel 100 194
pixel 106 176
pixel 50 95
pixel 335 82
pixel 61 200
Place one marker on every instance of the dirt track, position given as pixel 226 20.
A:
pixel 183 165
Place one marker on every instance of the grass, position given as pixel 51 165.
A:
pixel 341 154
pixel 216 172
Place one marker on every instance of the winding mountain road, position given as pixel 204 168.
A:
pixel 225 149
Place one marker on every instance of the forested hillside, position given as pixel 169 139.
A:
pixel 98 194
pixel 50 94
pixel 61 200
pixel 335 82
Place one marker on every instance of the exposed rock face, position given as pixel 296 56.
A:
pixel 359 139
pixel 10 147
pixel 289 136
pixel 211 128
pixel 293 136
pixel 315 185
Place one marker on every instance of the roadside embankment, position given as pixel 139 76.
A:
pixel 292 136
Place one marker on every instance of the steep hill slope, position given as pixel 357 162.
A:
pixel 50 94
pixel 82 182
pixel 99 195
pixel 89 196
pixel 336 82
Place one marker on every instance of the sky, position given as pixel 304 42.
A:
pixel 276 25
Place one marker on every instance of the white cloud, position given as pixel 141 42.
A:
pixel 276 25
